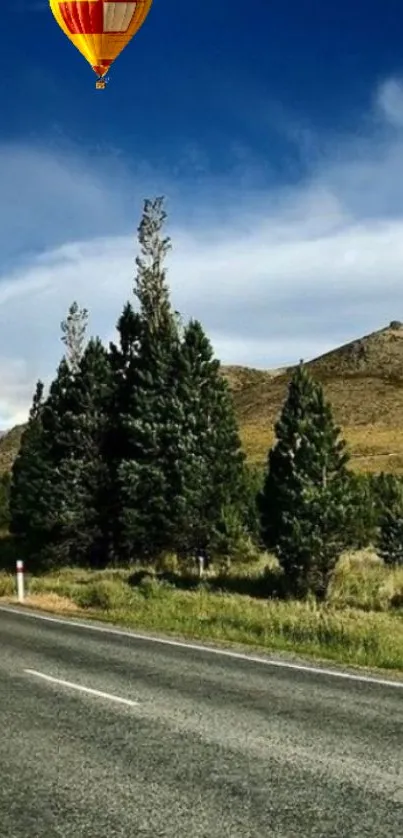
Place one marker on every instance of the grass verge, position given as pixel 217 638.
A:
pixel 355 627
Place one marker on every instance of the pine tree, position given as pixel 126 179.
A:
pixel 386 489
pixel 75 422
pixel 127 456
pixel 60 479
pixel 49 445
pixel 147 342
pixel 211 486
pixel 389 542
pixel 181 465
pixel 39 485
pixel 305 501
pixel 86 506
pixel 361 529
pixel 253 481
pixel 74 330
pixel 31 488
pixel 121 440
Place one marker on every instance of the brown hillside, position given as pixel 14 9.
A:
pixel 363 380
pixel 241 378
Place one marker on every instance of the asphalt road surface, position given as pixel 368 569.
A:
pixel 138 738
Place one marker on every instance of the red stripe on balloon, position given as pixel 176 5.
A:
pixel 83 18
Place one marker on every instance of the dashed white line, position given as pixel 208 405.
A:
pixel 81 688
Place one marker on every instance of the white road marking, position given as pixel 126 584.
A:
pixel 312 670
pixel 80 688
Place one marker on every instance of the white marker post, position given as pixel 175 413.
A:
pixel 20 580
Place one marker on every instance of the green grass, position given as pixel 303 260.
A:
pixel 360 624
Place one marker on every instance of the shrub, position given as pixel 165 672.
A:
pixel 150 587
pixel 7 585
pixel 103 594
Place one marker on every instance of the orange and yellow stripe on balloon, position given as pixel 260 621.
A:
pixel 100 29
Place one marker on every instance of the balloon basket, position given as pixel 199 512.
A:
pixel 100 85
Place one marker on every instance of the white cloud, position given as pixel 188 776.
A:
pixel 390 101
pixel 273 276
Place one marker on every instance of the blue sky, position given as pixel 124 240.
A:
pixel 275 129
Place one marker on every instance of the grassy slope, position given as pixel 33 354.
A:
pixel 363 380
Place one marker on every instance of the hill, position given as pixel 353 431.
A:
pixel 364 383
pixel 362 379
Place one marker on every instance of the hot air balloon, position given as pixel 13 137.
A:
pixel 100 29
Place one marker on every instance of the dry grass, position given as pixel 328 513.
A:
pixel 361 580
pixel 360 624
pixel 51 602
pixel 372 448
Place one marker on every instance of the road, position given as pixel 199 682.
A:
pixel 206 745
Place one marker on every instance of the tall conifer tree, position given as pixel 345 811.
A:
pixel 181 463
pixel 82 480
pixel 30 490
pixel 145 389
pixel 305 502
pixel 212 478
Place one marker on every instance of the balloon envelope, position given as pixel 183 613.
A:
pixel 100 29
